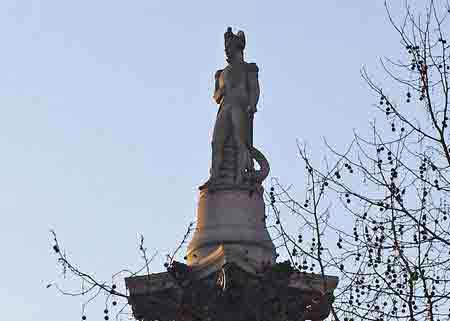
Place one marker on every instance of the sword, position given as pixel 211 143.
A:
pixel 251 115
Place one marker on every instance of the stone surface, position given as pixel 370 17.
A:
pixel 235 221
pixel 230 294
pixel 231 272
pixel 237 93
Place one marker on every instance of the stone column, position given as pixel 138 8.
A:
pixel 231 272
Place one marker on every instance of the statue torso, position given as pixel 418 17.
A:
pixel 233 79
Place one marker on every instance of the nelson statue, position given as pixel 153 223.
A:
pixel 237 93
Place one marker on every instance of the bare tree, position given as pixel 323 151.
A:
pixel 391 184
pixel 112 292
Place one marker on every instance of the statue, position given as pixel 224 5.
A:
pixel 231 272
pixel 237 93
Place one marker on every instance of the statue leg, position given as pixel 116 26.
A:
pixel 239 120
pixel 221 129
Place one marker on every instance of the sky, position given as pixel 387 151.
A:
pixel 106 116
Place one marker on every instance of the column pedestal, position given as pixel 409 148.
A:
pixel 231 274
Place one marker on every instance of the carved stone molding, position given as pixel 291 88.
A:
pixel 230 294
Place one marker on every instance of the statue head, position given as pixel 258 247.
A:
pixel 234 44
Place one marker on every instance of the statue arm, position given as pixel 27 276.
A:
pixel 218 90
pixel 253 87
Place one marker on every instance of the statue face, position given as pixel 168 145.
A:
pixel 232 47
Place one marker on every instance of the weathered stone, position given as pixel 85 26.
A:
pixel 237 93
pixel 230 294
pixel 231 272
pixel 235 220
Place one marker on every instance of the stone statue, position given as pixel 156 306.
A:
pixel 231 272
pixel 237 93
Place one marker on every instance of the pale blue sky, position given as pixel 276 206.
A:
pixel 106 117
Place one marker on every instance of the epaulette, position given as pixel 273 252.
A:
pixel 252 67
pixel 217 74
